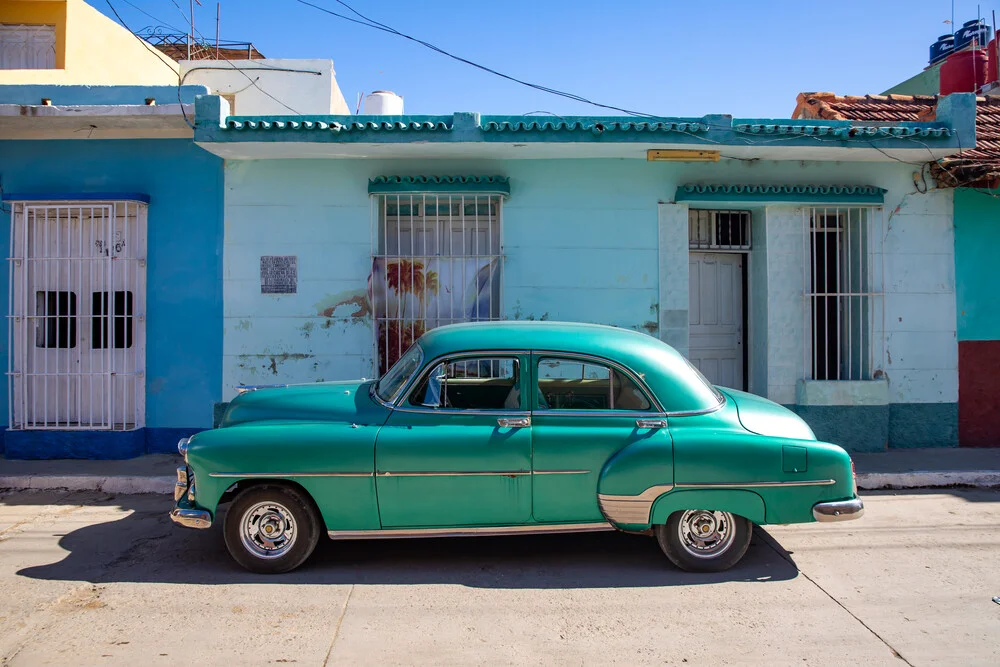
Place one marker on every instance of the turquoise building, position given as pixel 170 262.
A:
pixel 797 259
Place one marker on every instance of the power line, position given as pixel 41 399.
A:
pixel 160 57
pixel 160 21
pixel 375 25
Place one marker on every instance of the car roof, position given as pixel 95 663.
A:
pixel 677 386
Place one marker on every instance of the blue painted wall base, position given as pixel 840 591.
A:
pixel 102 445
pixel 875 428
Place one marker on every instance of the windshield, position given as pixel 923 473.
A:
pixel 395 379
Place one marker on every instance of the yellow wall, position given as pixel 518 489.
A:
pixel 91 49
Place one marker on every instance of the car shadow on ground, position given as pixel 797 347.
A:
pixel 145 547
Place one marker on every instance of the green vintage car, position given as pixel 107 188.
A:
pixel 511 428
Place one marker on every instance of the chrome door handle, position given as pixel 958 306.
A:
pixel 651 423
pixel 514 422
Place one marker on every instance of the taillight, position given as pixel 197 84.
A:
pixel 854 478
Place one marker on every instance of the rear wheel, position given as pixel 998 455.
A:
pixel 271 529
pixel 704 540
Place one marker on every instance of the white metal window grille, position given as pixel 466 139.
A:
pixel 76 327
pixel 843 291
pixel 437 259
pixel 27 46
pixel 719 231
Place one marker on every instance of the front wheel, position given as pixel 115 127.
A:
pixel 703 540
pixel 271 529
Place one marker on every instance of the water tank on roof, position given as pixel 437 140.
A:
pixel 941 48
pixel 383 103
pixel 977 30
pixel 964 72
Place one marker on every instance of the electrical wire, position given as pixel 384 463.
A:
pixel 375 25
pixel 159 56
pixel 160 21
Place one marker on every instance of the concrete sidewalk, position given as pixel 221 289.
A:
pixel 155 473
pixel 896 469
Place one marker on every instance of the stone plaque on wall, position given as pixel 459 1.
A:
pixel 279 274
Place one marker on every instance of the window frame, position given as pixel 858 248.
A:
pixel 403 404
pixel 655 408
pixel 855 347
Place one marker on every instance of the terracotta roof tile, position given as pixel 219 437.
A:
pixel 984 159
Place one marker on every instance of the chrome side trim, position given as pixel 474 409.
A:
pixel 597 413
pixel 457 473
pixel 257 475
pixel 631 509
pixel 560 472
pixel 744 485
pixel 471 531
pixel 191 518
pixel 244 388
pixel 841 510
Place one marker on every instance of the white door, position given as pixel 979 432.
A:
pixel 716 313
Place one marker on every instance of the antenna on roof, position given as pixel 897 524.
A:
pixel 357 109
pixel 218 17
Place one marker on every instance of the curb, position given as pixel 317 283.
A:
pixel 928 479
pixel 112 484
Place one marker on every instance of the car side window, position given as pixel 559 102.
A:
pixel 568 384
pixel 470 383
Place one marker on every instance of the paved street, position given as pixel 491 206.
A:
pixel 97 579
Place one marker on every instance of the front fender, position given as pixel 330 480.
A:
pixel 736 501
pixel 333 462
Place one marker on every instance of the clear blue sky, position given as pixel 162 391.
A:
pixel 669 58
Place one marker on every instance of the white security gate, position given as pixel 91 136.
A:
pixel 437 259
pixel 716 315
pixel 77 315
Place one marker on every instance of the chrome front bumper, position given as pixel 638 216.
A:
pixel 190 518
pixel 184 494
pixel 841 510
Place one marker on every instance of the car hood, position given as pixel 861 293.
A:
pixel 763 417
pixel 348 401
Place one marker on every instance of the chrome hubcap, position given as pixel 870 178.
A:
pixel 267 530
pixel 706 534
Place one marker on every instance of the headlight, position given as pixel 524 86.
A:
pixel 182 447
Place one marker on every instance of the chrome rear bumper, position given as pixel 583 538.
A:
pixel 841 510
pixel 191 518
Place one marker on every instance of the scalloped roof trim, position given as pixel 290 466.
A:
pixel 595 126
pixel 823 190
pixel 846 132
pixel 439 180
pixel 307 125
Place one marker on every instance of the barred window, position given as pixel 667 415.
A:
pixel 843 290
pixel 437 260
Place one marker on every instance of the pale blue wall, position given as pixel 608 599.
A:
pixel 184 293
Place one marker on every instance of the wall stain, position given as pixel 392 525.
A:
pixel 356 299
pixel 307 328
pixel 244 325
pixel 156 385
pixel 248 362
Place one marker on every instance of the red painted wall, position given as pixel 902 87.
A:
pixel 979 393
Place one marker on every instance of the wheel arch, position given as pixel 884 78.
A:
pixel 246 484
pixel 736 501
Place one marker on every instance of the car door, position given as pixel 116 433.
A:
pixel 584 410
pixel 456 451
